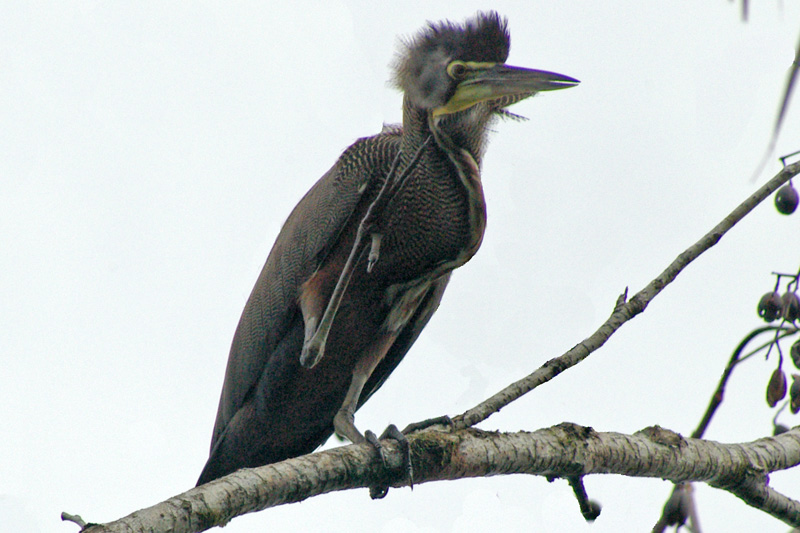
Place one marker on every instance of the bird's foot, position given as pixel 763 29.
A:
pixel 391 432
pixel 312 351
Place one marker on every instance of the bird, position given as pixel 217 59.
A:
pixel 363 260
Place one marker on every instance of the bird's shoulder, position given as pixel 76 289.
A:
pixel 327 206
pixel 368 156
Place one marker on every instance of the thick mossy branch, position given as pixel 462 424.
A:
pixel 561 451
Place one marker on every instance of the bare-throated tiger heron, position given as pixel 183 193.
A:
pixel 362 261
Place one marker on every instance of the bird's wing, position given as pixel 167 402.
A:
pixel 406 338
pixel 302 244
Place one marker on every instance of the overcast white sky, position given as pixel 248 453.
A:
pixel 150 151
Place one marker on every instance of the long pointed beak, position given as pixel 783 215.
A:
pixel 504 80
pixel 499 81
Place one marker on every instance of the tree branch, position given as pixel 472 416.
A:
pixel 624 310
pixel 561 451
pixel 758 494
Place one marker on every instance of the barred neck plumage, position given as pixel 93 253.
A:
pixel 466 130
pixel 460 139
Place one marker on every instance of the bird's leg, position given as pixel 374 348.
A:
pixel 314 347
pixel 311 305
pixel 343 422
pixel 344 419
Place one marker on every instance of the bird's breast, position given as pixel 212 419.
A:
pixel 427 224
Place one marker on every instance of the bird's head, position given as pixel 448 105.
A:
pixel 447 68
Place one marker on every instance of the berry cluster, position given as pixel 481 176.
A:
pixel 786 307
pixel 774 306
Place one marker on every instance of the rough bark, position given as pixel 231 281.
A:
pixel 561 451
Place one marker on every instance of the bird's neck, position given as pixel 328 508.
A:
pixel 455 145
pixel 415 129
pixel 418 126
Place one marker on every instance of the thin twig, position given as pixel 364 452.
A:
pixel 74 518
pixel 785 332
pixel 622 313
pixel 776 129
pixel 589 508
pixel 719 394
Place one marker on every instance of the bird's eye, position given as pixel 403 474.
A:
pixel 457 70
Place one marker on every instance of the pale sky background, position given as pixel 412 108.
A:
pixel 150 151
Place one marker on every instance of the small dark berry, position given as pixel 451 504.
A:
pixel 769 307
pixel 795 353
pixel 786 199
pixel 794 394
pixel 790 306
pixel 776 390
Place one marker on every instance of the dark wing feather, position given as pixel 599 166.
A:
pixel 305 239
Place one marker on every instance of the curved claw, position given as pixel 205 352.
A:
pixel 377 492
pixel 391 432
pixel 374 251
